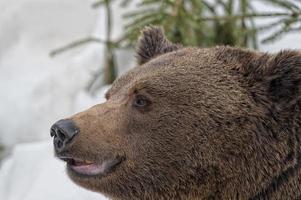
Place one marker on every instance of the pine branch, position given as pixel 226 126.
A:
pixel 286 4
pixel 95 82
pixel 251 15
pixel 74 44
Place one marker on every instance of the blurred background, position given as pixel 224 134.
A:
pixel 58 57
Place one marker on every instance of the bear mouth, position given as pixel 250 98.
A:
pixel 90 168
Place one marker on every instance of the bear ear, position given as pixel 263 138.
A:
pixel 276 80
pixel 152 43
pixel 283 78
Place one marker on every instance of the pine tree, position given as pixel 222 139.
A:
pixel 212 22
pixel 196 23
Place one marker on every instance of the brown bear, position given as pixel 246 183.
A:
pixel 191 123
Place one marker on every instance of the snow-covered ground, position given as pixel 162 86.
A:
pixel 37 90
pixel 31 173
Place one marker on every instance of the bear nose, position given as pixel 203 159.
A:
pixel 63 132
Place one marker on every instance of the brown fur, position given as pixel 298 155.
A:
pixel 220 123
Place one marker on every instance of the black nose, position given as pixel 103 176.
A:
pixel 63 132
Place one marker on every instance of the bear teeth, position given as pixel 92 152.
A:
pixel 76 162
pixel 80 162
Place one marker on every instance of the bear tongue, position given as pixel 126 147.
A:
pixel 88 168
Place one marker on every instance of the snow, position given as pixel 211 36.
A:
pixel 33 85
pixel 32 173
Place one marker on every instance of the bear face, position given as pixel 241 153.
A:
pixel 191 123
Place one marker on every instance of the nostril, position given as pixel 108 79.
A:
pixel 53 132
pixel 59 144
pixel 61 134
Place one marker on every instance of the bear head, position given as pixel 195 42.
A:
pixel 189 123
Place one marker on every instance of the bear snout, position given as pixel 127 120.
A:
pixel 63 132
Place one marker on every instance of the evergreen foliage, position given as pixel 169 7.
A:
pixel 213 22
pixel 196 23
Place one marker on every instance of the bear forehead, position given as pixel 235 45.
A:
pixel 188 66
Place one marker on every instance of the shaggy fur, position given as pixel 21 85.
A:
pixel 216 123
pixel 153 43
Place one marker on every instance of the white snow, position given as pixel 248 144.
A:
pixel 32 173
pixel 35 89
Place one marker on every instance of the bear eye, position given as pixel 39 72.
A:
pixel 140 101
